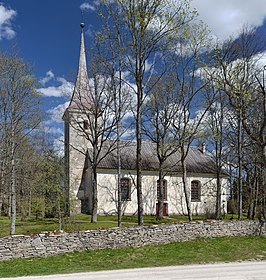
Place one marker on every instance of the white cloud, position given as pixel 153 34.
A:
pixel 53 130
pixel 226 18
pixel 56 136
pixel 57 112
pixel 65 88
pixel 48 78
pixel 88 6
pixel 260 60
pixel 59 146
pixel 6 16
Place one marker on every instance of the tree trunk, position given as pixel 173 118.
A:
pixel 119 201
pixel 218 204
pixel 94 169
pixel 218 196
pixel 30 202
pixel 251 193
pixel 264 155
pixel 262 195
pixel 219 153
pixel 160 198
pixel 94 195
pixel 1 190
pixel 1 202
pixel 9 203
pixel 118 104
pixel 13 202
pixel 255 199
pixel 13 198
pixel 139 172
pixel 240 168
pixel 185 186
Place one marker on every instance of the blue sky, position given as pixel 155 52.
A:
pixel 46 33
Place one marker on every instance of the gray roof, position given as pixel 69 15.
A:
pixel 196 161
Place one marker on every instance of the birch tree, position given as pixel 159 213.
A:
pixel 147 30
pixel 215 128
pixel 190 94
pixel 241 79
pixel 111 49
pixel 160 111
pixel 19 114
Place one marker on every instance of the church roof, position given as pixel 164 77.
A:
pixel 196 161
pixel 82 97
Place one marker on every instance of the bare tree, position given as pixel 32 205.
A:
pixel 159 113
pixel 19 112
pixel 190 90
pixel 215 127
pixel 147 29
pixel 109 42
pixel 238 61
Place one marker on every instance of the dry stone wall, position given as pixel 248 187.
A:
pixel 43 245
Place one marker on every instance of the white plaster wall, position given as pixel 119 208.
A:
pixel 77 146
pixel 107 194
pixel 75 149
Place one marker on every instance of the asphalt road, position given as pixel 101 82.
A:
pixel 227 271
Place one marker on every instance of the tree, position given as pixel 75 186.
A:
pixel 160 111
pixel 215 127
pixel 97 121
pixel 19 114
pixel 109 44
pixel 239 77
pixel 27 171
pixel 190 93
pixel 147 30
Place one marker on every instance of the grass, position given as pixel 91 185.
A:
pixel 76 223
pixel 81 222
pixel 33 226
pixel 198 251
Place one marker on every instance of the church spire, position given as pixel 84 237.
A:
pixel 81 98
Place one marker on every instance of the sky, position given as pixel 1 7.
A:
pixel 46 33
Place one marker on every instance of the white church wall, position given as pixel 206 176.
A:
pixel 107 194
pixel 77 150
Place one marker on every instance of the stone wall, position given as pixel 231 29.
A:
pixel 43 245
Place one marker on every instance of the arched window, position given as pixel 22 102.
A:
pixel 85 124
pixel 195 191
pixel 164 194
pixel 125 189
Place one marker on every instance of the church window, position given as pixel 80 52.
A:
pixel 85 124
pixel 125 189
pixel 164 194
pixel 195 191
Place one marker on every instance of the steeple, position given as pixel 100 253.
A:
pixel 81 98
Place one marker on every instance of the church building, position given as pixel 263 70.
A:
pixel 201 169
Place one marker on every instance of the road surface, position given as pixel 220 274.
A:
pixel 226 271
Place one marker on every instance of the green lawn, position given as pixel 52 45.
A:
pixel 77 223
pixel 33 226
pixel 82 222
pixel 178 253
